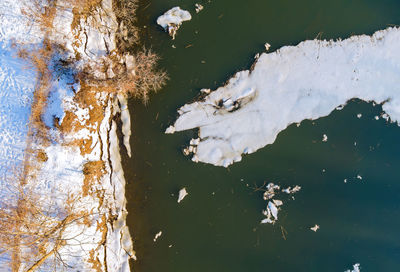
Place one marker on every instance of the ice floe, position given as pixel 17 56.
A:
pixel 198 7
pixel 158 235
pixel 173 19
pixel 356 268
pixel 315 228
pixel 271 212
pixel 182 194
pixel 292 84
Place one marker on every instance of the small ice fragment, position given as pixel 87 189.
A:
pixel 170 130
pixel 205 91
pixel 359 115
pixel 157 236
pixel 170 246
pixel 198 7
pixel 315 228
pixel 340 107
pixel 186 151
pixel 376 117
pixel 323 170
pixel 267 46
pixel 195 141
pixel 356 268
pixel 270 192
pixel 359 177
pixel 289 189
pixel 182 194
pixel 172 20
pixel 345 180
pixel 355 143
pixel 173 46
pixel 385 116
pixel 324 138
pixel 273 209
pixel 277 202
pixel 267 220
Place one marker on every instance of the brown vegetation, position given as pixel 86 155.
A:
pixel 93 171
pixel 31 226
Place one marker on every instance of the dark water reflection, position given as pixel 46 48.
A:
pixel 216 228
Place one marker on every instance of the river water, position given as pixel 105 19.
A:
pixel 217 226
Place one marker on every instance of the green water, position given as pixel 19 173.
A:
pixel 216 227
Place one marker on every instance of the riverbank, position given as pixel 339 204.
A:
pixel 69 181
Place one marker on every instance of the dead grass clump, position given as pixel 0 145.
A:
pixel 128 35
pixel 70 123
pixel 32 227
pixel 82 10
pixel 146 79
pixel 42 156
pixel 40 12
pixel 93 171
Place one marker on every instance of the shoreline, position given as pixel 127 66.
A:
pixel 79 108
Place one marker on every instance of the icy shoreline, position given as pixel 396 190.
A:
pixel 307 81
pixel 102 240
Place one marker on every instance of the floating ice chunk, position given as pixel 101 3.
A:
pixel 340 107
pixel 267 221
pixel 170 130
pixel 345 180
pixel 376 117
pixel 359 177
pixel 157 236
pixel 173 19
pixel 267 46
pixel 270 192
pixel 195 141
pixel 320 78
pixel 205 91
pixel 273 209
pixel 198 7
pixel 356 268
pixel 277 202
pixel 359 115
pixel 385 116
pixel 182 194
pixel 289 189
pixel 315 228
pixel 324 138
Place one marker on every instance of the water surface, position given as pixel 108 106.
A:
pixel 216 227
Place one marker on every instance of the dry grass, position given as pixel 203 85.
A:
pixel 93 171
pixel 146 79
pixel 31 228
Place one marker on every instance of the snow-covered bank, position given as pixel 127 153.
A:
pixel 78 179
pixel 295 83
